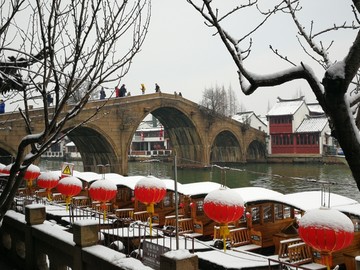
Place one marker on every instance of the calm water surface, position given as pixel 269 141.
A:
pixel 285 178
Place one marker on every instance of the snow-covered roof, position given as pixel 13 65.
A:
pixel 315 108
pixel 308 200
pixel 312 125
pixel 84 176
pixel 70 144
pixel 198 188
pixel 286 107
pixel 242 116
pixel 252 194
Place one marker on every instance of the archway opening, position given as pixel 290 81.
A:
pixel 256 152
pixel 225 148
pixel 174 131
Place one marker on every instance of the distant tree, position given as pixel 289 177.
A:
pixel 58 47
pixel 219 100
pixel 337 90
pixel 233 104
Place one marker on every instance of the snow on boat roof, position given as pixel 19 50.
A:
pixel 350 209
pixel 170 184
pixel 198 188
pixel 84 176
pixel 308 200
pixel 251 194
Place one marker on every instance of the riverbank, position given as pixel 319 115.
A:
pixel 306 159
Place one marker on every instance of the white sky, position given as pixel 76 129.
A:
pixel 180 53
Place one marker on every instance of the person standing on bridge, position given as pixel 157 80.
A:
pixel 123 91
pixel 102 93
pixel 157 88
pixel 2 106
pixel 143 88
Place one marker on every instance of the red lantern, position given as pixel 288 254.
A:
pixel 326 230
pixel 150 190
pixel 69 186
pixel 47 180
pixel 32 172
pixel 224 206
pixel 102 191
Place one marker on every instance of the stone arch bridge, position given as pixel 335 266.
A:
pixel 196 134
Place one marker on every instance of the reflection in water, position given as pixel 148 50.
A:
pixel 285 178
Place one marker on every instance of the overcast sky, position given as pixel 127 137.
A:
pixel 182 55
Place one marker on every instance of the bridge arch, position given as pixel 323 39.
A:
pixel 256 151
pixel 225 148
pixel 183 134
pixel 94 146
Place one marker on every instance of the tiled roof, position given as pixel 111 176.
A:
pixel 312 125
pixel 242 116
pixel 285 107
pixel 315 108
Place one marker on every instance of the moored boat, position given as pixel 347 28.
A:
pixel 270 217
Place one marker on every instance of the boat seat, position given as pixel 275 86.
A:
pixel 239 237
pixel 141 216
pixel 300 255
pixel 124 213
pixel 284 244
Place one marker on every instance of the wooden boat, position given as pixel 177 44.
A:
pixel 270 220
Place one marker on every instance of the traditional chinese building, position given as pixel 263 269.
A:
pixel 298 128
pixel 251 119
pixel 150 140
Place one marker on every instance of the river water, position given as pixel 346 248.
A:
pixel 285 178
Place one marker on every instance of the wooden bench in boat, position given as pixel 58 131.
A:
pixel 241 240
pixel 240 237
pixel 284 244
pixel 143 216
pixel 300 255
pixel 171 220
pixel 81 201
pixel 186 226
pixel 125 213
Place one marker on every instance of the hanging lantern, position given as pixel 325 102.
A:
pixel 69 186
pixel 224 206
pixel 32 172
pixel 102 191
pixel 326 230
pixel 47 180
pixel 150 190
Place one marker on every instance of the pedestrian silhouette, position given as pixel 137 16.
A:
pixel 49 99
pixel 102 93
pixel 157 88
pixel 143 88
pixel 2 106
pixel 122 91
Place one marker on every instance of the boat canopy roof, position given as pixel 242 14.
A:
pixel 253 194
pixel 308 200
pixel 198 188
pixel 84 176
